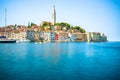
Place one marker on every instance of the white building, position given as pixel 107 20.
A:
pixel 96 37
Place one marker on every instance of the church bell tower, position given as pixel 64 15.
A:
pixel 53 15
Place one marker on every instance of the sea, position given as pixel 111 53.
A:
pixel 60 61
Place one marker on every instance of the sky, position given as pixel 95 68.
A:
pixel 92 15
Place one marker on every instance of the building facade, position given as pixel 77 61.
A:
pixel 96 37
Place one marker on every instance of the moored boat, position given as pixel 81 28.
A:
pixel 3 39
pixel 7 41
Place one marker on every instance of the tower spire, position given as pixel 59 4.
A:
pixel 53 15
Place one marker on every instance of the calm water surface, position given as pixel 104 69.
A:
pixel 60 61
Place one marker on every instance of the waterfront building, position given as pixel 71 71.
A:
pixel 2 31
pixel 72 36
pixel 61 36
pixel 34 33
pixel 77 36
pixel 52 36
pixel 48 36
pixel 18 34
pixel 41 36
pixel 80 36
pixel 103 37
pixel 56 37
pixel 96 37
pixel 30 35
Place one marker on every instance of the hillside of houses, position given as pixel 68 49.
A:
pixel 46 32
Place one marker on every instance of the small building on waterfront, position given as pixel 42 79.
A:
pixel 48 36
pixel 96 37
pixel 80 36
pixel 40 36
pixel 30 35
pixel 61 36
pixel 16 32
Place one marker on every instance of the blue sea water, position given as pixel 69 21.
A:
pixel 60 61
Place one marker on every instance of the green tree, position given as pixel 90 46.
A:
pixel 63 24
pixel 15 25
pixel 46 24
pixel 29 25
pixel 83 30
pixel 79 28
pixel 33 24
pixel 71 27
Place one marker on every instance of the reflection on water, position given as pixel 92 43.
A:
pixel 56 61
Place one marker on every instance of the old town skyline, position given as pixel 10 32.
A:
pixel 66 13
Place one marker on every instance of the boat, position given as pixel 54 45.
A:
pixel 7 41
pixel 23 41
pixel 3 39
